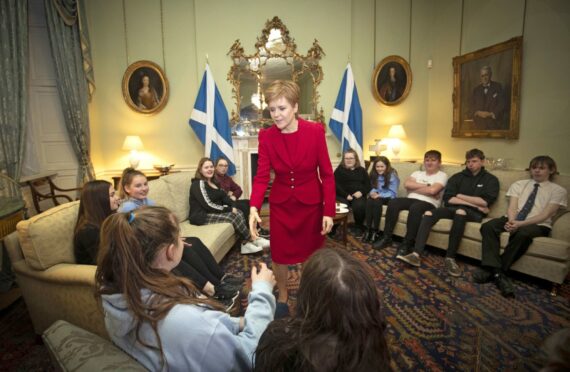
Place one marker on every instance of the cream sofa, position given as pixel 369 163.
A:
pixel 547 258
pixel 54 287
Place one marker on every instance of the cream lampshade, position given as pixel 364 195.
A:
pixel 396 134
pixel 133 144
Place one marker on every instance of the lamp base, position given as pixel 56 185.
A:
pixel 134 160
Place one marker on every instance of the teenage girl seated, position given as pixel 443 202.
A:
pixel 385 182
pixel 161 319
pixel 99 200
pixel 210 204
pixel 338 325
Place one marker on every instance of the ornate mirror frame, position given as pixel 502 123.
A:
pixel 255 69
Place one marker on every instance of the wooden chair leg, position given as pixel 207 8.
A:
pixel 554 290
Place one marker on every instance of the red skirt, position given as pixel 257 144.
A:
pixel 295 231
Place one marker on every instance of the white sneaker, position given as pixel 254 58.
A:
pixel 249 248
pixel 261 242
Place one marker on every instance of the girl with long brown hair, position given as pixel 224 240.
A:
pixel 161 319
pixel 338 325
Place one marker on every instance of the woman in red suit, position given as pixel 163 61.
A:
pixel 302 199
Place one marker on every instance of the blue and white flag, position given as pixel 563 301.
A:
pixel 210 122
pixel 346 118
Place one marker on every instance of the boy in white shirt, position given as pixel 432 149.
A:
pixel 424 194
pixel 532 204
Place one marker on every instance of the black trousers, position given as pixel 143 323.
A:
pixel 457 227
pixel 243 205
pixel 358 207
pixel 416 209
pixel 519 241
pixel 374 212
pixel 198 264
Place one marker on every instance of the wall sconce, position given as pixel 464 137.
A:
pixel 133 144
pixel 396 134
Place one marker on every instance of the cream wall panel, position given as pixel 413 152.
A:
pixel 487 22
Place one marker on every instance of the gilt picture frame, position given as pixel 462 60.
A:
pixel 145 87
pixel 392 80
pixel 486 91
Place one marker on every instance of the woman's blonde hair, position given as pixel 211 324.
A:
pixel 283 88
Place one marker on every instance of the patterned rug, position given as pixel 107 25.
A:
pixel 20 349
pixel 440 323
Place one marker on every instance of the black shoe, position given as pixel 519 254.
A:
pixel 367 235
pixel 482 276
pixel 231 304
pixel 264 233
pixel 235 280
pixel 282 310
pixel 376 235
pixel 386 241
pixel 505 285
pixel 224 291
pixel 404 249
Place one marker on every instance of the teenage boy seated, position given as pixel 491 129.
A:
pixel 532 204
pixel 467 197
pixel 424 194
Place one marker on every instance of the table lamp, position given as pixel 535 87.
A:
pixel 396 134
pixel 133 144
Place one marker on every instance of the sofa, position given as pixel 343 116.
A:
pixel 547 258
pixel 74 349
pixel 54 287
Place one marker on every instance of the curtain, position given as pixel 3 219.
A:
pixel 72 84
pixel 13 83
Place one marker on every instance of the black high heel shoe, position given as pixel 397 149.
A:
pixel 367 235
pixel 376 235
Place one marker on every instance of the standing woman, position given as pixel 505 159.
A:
pixel 302 199
pixel 385 182
pixel 352 186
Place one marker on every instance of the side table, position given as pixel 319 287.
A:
pixel 342 220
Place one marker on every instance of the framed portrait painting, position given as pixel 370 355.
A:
pixel 486 91
pixel 145 87
pixel 392 80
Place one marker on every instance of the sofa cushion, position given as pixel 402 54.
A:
pixel 551 249
pixel 159 192
pixel 179 188
pixel 47 238
pixel 214 235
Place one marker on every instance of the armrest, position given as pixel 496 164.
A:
pixel 66 274
pixel 561 227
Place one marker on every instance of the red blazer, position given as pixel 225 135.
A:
pixel 295 177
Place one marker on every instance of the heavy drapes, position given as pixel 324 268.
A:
pixel 13 84
pixel 72 81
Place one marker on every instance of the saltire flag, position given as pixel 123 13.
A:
pixel 210 122
pixel 346 118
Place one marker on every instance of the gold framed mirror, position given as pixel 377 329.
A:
pixel 275 57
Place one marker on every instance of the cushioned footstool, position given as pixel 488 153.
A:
pixel 74 349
